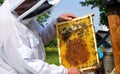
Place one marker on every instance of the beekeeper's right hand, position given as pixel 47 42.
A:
pixel 74 71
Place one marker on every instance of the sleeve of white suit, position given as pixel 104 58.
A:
pixel 27 54
pixel 48 32
pixel 39 65
pixel 45 68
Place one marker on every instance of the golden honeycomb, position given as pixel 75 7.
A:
pixel 77 43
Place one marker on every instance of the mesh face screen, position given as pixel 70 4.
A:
pixel 28 4
pixel 45 6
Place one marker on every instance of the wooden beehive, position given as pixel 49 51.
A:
pixel 77 43
pixel 113 12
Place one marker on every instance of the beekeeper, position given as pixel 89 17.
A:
pixel 22 39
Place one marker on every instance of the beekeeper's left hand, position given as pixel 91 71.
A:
pixel 66 17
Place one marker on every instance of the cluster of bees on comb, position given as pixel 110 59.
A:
pixel 77 53
pixel 77 44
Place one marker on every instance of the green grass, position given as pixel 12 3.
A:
pixel 52 56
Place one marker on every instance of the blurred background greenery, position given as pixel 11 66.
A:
pixel 52 55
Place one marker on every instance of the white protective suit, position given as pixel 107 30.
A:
pixel 22 46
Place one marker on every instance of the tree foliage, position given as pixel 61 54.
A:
pixel 1 1
pixel 102 9
pixel 43 18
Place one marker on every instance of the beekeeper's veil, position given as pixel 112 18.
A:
pixel 26 9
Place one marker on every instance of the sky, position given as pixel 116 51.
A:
pixel 73 6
